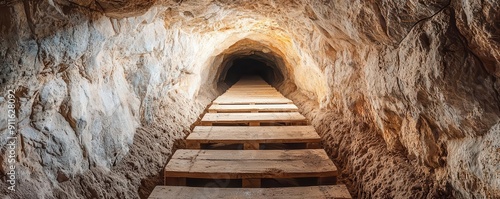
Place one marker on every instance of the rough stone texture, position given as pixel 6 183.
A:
pixel 478 22
pixel 404 93
pixel 85 82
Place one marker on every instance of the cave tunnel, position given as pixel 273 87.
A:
pixel 252 66
pixel 251 58
pixel 398 99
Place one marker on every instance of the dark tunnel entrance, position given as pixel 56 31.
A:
pixel 252 65
pixel 249 67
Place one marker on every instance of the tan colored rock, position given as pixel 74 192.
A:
pixel 404 93
pixel 478 24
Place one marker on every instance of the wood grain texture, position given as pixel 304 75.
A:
pixel 253 134
pixel 316 192
pixel 253 117
pixel 252 100
pixel 225 108
pixel 243 164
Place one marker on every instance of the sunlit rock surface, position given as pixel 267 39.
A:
pixel 404 93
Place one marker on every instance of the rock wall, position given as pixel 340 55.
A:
pixel 425 91
pixel 84 84
pixel 404 93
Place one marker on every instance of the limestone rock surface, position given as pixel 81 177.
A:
pixel 405 94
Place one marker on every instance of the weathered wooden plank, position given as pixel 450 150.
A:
pixel 255 83
pixel 255 100
pixel 250 164
pixel 266 91
pixel 252 88
pixel 252 85
pixel 251 91
pixel 247 93
pixel 317 192
pixel 252 134
pixel 257 107
pixel 247 129
pixel 274 95
pixel 271 96
pixel 230 97
pixel 273 117
pixel 251 97
pixel 277 95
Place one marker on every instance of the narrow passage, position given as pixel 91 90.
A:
pixel 252 143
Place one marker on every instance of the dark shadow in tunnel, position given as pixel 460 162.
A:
pixel 248 66
pixel 252 65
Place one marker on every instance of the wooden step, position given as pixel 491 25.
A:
pixel 251 93
pixel 252 136
pixel 275 94
pixel 232 95
pixel 252 85
pixel 253 82
pixel 252 88
pixel 253 119
pixel 252 108
pixel 245 89
pixel 316 192
pixel 257 96
pixel 249 165
pixel 256 84
pixel 253 100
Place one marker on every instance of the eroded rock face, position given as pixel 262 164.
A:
pixel 404 93
pixel 478 24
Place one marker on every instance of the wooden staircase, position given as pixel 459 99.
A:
pixel 252 117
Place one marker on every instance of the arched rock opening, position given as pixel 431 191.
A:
pixel 250 57
pixel 422 97
pixel 248 65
